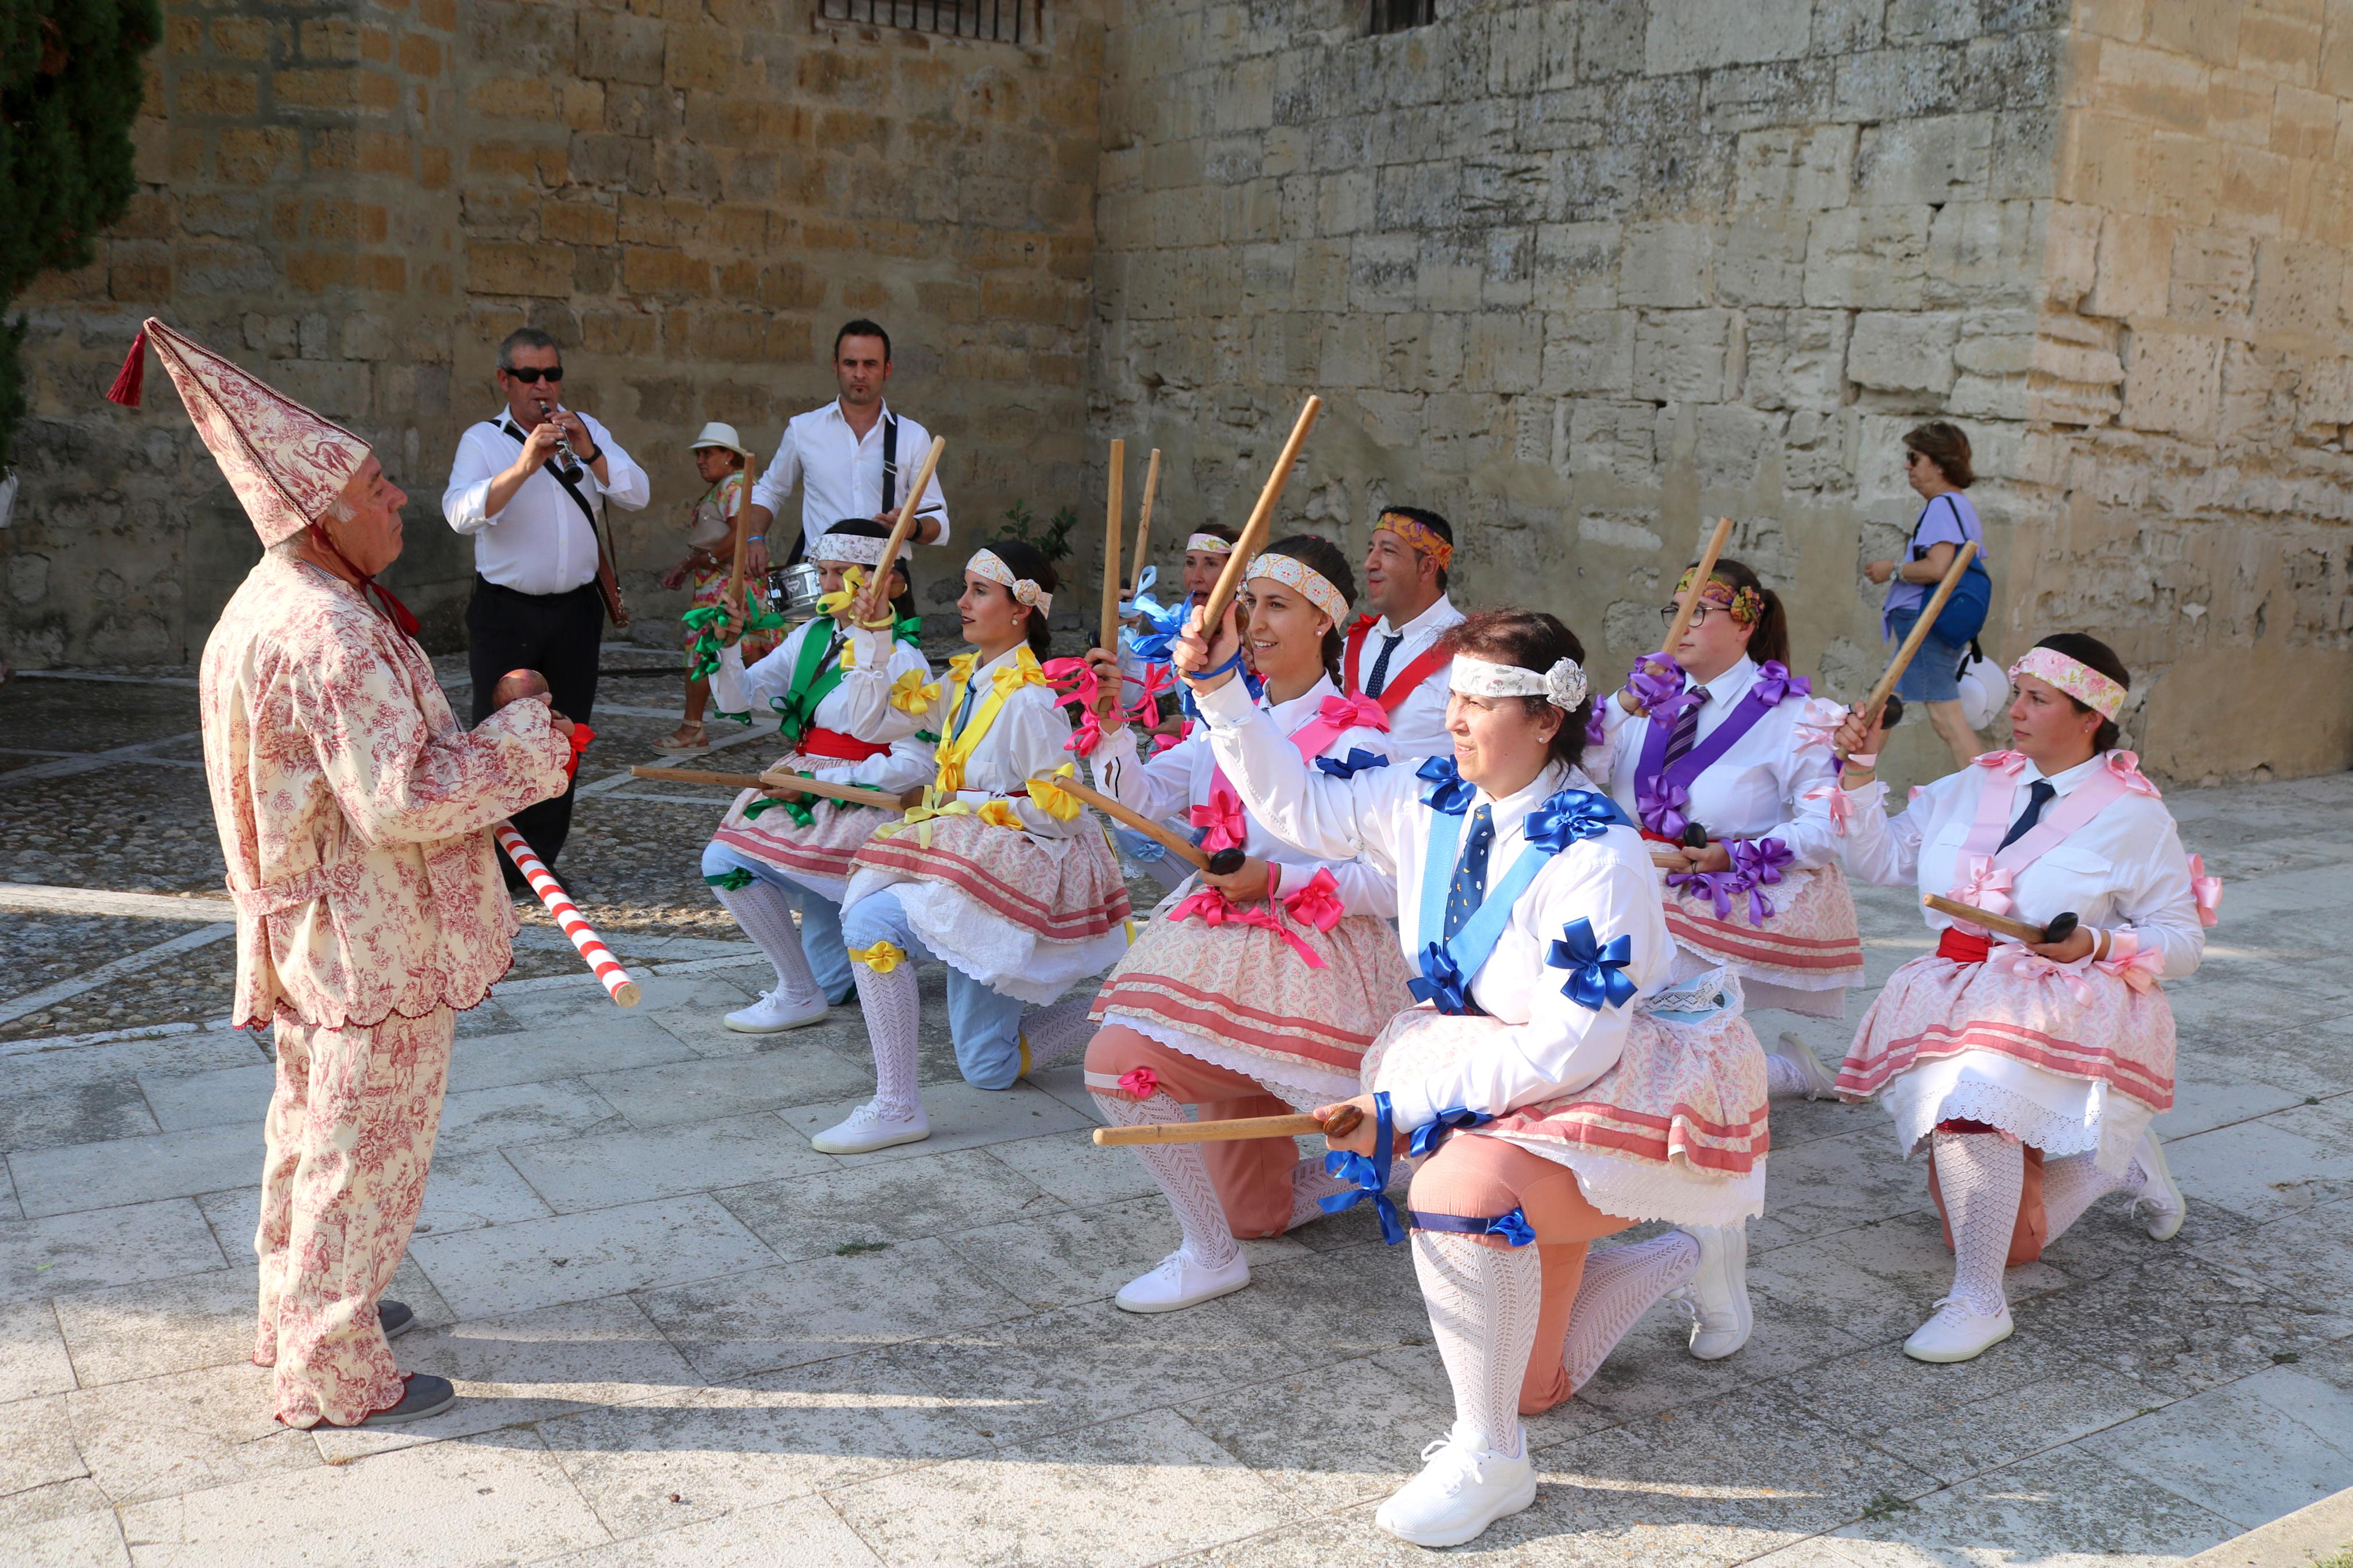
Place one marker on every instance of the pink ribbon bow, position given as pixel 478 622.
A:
pixel 2138 966
pixel 2207 891
pixel 2027 964
pixel 1155 680
pixel 2007 762
pixel 1162 742
pixel 1317 903
pixel 1212 906
pixel 2126 765
pixel 1075 679
pixel 1358 712
pixel 1985 886
pixel 1818 724
pixel 1222 820
pixel 1834 804
pixel 1141 1082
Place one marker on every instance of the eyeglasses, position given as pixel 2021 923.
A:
pixel 1699 615
pixel 529 375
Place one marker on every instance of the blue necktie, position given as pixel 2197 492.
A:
pixel 965 713
pixel 1380 675
pixel 2038 795
pixel 1469 889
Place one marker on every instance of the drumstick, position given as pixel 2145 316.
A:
pixel 1115 504
pixel 1920 629
pixel 743 538
pixel 852 794
pixel 878 592
pixel 1177 842
pixel 1144 523
pixel 1253 537
pixel 601 962
pixel 1344 1121
pixel 2059 929
pixel 1700 575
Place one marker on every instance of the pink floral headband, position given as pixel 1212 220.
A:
pixel 1293 573
pixel 2077 679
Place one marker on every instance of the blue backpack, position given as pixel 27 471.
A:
pixel 1964 615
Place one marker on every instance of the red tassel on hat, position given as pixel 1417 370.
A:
pixel 132 376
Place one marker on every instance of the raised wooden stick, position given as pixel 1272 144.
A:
pixel 742 540
pixel 2024 931
pixel 1143 525
pixel 695 776
pixel 1344 1123
pixel 1700 574
pixel 852 794
pixel 878 592
pixel 1177 842
pixel 1920 630
pixel 1253 537
pixel 1114 510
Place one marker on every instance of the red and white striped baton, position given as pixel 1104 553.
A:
pixel 551 892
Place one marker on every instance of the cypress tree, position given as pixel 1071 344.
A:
pixel 70 82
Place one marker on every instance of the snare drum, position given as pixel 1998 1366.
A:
pixel 795 590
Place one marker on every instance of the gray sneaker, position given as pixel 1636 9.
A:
pixel 423 1394
pixel 394 1316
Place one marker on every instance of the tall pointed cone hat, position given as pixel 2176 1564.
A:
pixel 286 464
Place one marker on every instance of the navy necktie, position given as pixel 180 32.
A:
pixel 2039 791
pixel 1380 675
pixel 1469 889
pixel 1685 734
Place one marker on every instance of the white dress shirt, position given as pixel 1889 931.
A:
pixel 540 542
pixel 840 474
pixel 1551 1046
pixel 1757 789
pixel 859 705
pixel 1418 723
pixel 1168 786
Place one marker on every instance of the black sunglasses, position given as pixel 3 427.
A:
pixel 529 376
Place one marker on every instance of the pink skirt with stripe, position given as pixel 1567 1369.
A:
pixel 1057 889
pixel 1811 943
pixel 818 856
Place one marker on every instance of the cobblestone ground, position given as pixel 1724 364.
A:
pixel 685 1338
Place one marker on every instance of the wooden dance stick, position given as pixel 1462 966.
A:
pixel 601 962
pixel 1177 843
pixel 1253 537
pixel 1920 630
pixel 742 540
pixel 1144 523
pixel 1114 512
pixel 1343 1123
pixel 877 600
pixel 2059 929
pixel 852 794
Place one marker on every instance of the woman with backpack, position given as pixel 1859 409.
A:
pixel 1937 462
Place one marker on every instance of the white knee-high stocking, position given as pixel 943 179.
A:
pixel 1981 1177
pixel 767 916
pixel 893 1011
pixel 1059 1030
pixel 1483 1302
pixel 1620 1285
pixel 2072 1184
pixel 1182 1177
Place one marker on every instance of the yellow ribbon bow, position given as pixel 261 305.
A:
pixel 910 695
pixel 960 668
pixel 1001 813
pixel 882 958
pixel 831 604
pixel 1058 804
pixel 920 819
pixel 1014 676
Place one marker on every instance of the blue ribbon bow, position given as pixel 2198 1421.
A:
pixel 1424 1140
pixel 1513 1227
pixel 1569 816
pixel 1356 762
pixel 1443 983
pixel 1449 791
pixel 1595 973
pixel 1370 1174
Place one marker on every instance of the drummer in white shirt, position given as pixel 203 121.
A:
pixel 1395 659
pixel 852 458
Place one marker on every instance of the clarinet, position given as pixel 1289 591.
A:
pixel 569 465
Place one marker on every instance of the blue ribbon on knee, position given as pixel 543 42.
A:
pixel 1370 1174
pixel 1425 1138
pixel 1512 1227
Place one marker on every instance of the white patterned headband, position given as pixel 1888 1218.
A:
pixel 1025 591
pixel 850 550
pixel 1293 573
pixel 1563 685
pixel 1210 543
pixel 2077 679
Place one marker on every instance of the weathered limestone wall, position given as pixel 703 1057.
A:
pixel 359 197
pixel 2191 394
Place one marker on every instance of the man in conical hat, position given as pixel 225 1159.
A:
pixel 352 812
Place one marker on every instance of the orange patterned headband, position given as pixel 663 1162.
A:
pixel 1418 536
pixel 1744 606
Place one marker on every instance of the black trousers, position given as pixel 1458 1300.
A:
pixel 557 634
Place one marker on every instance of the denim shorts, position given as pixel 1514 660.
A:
pixel 1933 676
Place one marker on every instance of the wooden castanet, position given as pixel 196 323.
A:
pixel 1343 1123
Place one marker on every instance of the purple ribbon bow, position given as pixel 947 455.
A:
pixel 1656 683
pixel 1662 805
pixel 1759 862
pixel 1719 887
pixel 1774 682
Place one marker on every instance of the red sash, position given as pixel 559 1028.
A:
pixel 823 742
pixel 1402 683
pixel 1962 947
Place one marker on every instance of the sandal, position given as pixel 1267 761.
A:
pixel 684 740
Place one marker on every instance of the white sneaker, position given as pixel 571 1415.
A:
pixel 1460 1491
pixel 867 1128
pixel 2159 1193
pixel 1821 1083
pixel 1718 1293
pixel 1182 1280
pixel 1958 1332
pixel 773 1012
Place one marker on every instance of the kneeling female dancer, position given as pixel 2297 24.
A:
pixel 1257 994
pixel 847 701
pixel 2031 1070
pixel 1000 874
pixel 1528 899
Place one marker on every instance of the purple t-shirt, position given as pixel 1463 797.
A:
pixel 1948 519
